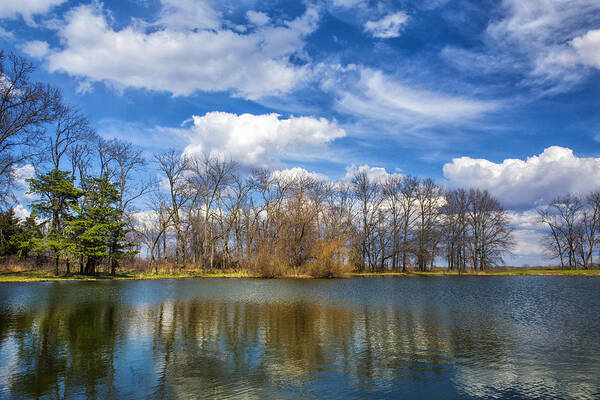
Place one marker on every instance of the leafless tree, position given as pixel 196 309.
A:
pixel 491 233
pixel 174 166
pixel 408 215
pixel 367 193
pixel 428 196
pixel 71 129
pixel 209 177
pixel 456 228
pixel 26 107
pixel 562 216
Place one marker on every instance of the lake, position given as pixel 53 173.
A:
pixel 361 338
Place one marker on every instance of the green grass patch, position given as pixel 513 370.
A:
pixel 47 276
pixel 542 272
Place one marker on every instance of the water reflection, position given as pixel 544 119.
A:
pixel 100 342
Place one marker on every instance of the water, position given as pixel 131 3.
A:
pixel 372 338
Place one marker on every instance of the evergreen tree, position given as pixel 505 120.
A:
pixel 24 239
pixel 9 228
pixel 57 200
pixel 98 231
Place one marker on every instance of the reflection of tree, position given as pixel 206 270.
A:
pixel 208 348
pixel 91 329
pixel 64 343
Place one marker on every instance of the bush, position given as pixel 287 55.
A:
pixel 328 260
pixel 267 263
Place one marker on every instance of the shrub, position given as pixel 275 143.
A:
pixel 328 260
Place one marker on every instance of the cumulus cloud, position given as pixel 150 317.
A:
pixel 21 212
pixel 375 174
pixel 290 174
pixel 388 26
pixel 188 14
pixel 527 183
pixel 22 173
pixel 257 18
pixel 258 139
pixel 26 8
pixel 588 48
pixel 528 234
pixel 181 55
pixel 378 96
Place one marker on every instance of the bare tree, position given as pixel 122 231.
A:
pixel 208 179
pixel 71 129
pixel 392 192
pixel 25 109
pixel 174 165
pixel 562 216
pixel 428 196
pixel 456 228
pixel 491 233
pixel 367 193
pixel 127 160
pixel 408 215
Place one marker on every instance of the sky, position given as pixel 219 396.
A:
pixel 499 95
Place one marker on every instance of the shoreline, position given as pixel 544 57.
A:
pixel 45 276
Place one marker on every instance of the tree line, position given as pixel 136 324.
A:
pixel 222 217
pixel 91 210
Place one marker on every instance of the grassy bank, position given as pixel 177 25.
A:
pixel 541 272
pixel 46 276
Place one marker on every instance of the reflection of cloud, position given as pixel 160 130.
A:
pixel 516 337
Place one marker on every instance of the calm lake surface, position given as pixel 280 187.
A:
pixel 373 338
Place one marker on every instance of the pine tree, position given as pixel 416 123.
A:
pixel 98 231
pixel 9 228
pixel 57 200
pixel 24 239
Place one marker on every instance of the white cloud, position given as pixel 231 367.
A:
pixel 259 139
pixel 146 218
pixel 524 184
pixel 378 96
pixel 26 8
pixel 388 26
pixel 375 174
pixel 36 49
pixel 188 14
pixel 4 34
pixel 21 212
pixel 257 18
pixel 540 39
pixel 290 174
pixel 22 173
pixel 177 59
pixel 588 48
pixel 528 234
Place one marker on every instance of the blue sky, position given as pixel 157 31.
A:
pixel 497 94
